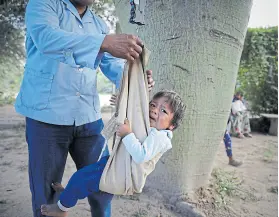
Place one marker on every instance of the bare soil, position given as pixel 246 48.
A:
pixel 255 194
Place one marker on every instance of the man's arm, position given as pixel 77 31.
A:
pixel 112 68
pixel 43 26
pixel 154 144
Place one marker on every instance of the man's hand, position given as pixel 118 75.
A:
pixel 150 80
pixel 124 129
pixel 123 46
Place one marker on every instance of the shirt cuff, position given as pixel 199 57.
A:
pixel 96 43
pixel 61 207
pixel 100 39
pixel 118 81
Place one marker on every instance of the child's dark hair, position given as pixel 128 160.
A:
pixel 176 103
pixel 239 93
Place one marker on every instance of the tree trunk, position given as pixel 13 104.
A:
pixel 196 48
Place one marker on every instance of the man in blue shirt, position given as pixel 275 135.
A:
pixel 65 44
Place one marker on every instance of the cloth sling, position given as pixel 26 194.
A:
pixel 122 176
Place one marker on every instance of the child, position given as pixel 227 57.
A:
pixel 166 111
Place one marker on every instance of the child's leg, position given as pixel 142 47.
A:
pixel 81 184
pixel 228 144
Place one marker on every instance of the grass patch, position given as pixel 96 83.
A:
pixel 225 184
pixel 3 202
pixel 6 163
pixel 269 152
pixel 131 197
pixel 140 213
pixel 273 189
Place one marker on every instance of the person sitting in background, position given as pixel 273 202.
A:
pixel 240 118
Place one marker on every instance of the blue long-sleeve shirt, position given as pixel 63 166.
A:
pixel 63 54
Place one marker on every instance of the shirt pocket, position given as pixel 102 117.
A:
pixel 35 89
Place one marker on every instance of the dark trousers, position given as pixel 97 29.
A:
pixel 49 146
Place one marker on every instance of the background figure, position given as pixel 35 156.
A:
pixel 240 118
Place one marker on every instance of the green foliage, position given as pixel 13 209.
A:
pixel 257 76
pixel 105 9
pixel 258 72
pixel 12 48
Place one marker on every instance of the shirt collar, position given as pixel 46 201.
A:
pixel 88 16
pixel 72 8
pixel 168 132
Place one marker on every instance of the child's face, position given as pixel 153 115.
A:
pixel 239 97
pixel 160 114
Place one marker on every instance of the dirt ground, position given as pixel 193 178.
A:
pixel 255 193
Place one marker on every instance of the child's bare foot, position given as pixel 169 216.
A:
pixel 57 187
pixel 52 210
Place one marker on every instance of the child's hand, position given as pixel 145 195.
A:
pixel 150 80
pixel 113 99
pixel 124 129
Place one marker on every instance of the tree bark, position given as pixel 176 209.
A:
pixel 196 47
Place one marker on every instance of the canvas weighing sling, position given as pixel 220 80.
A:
pixel 122 176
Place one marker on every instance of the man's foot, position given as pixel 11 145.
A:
pixel 235 163
pixel 248 135
pixel 52 210
pixel 57 187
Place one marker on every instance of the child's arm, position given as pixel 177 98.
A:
pixel 156 142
